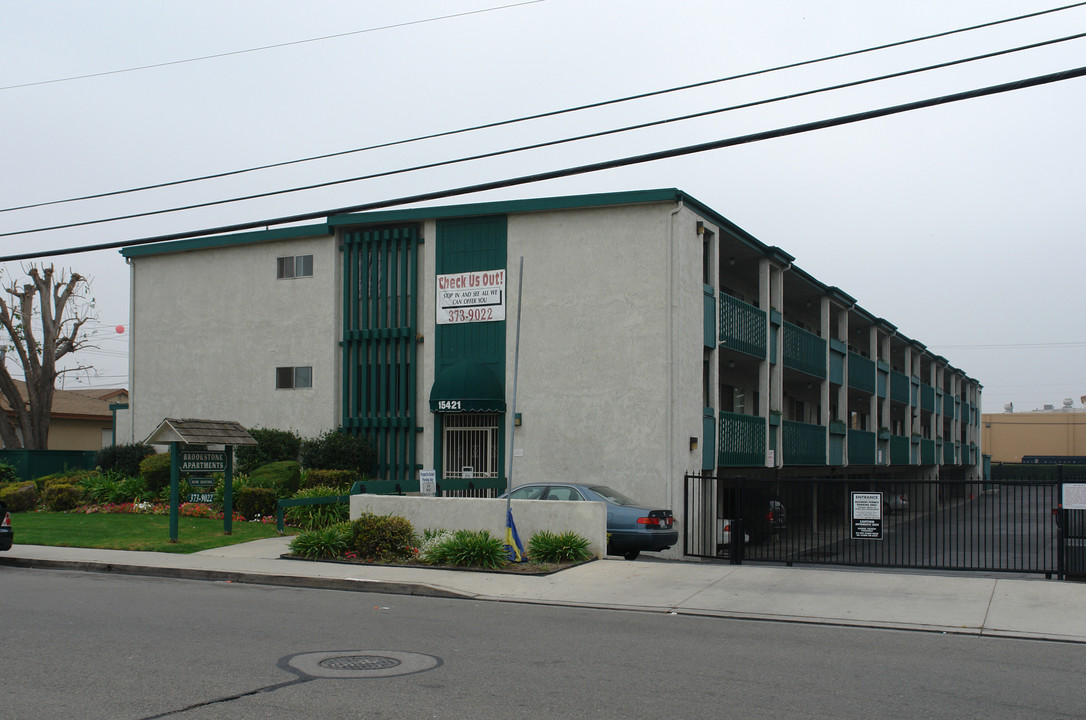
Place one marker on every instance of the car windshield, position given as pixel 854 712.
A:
pixel 612 495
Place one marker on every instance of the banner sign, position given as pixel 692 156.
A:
pixel 471 297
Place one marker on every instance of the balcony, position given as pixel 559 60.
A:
pixel 949 454
pixel 927 452
pixel 861 373
pixel 899 387
pixel 861 447
pixel 803 444
pixel 927 397
pixel 804 351
pixel 948 406
pixel 742 326
pixel 899 450
pixel 742 440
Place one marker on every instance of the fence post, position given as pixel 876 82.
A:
pixel 738 542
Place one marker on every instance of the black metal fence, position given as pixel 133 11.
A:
pixel 962 524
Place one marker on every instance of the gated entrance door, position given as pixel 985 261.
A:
pixel 1004 525
pixel 470 443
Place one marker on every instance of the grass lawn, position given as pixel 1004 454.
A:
pixel 119 531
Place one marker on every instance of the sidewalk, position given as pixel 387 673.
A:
pixel 1005 607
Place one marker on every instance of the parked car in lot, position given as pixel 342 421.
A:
pixel 7 535
pixel 762 512
pixel 631 526
pixel 724 534
pixel 894 502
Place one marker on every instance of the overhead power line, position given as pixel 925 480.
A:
pixel 266 47
pixel 577 170
pixel 535 146
pixel 538 116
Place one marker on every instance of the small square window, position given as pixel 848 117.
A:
pixel 303 377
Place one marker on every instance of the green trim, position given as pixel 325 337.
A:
pixel 216 241
pixel 506 207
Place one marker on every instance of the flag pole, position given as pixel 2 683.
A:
pixel 511 535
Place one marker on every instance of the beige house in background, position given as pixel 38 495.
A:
pixel 81 419
pixel 1010 436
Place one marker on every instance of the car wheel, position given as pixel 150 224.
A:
pixel 632 554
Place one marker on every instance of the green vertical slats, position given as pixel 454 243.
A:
pixel 378 348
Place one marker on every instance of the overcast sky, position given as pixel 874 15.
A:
pixel 960 224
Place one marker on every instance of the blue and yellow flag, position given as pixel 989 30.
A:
pixel 513 545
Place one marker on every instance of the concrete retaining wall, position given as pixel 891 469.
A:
pixel 588 519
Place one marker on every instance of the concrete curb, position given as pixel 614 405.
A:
pixel 319 583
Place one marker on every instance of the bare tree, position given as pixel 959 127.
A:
pixel 57 308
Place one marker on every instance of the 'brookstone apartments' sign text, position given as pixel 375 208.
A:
pixel 471 297
pixel 203 461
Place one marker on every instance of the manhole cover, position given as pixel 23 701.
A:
pixel 359 663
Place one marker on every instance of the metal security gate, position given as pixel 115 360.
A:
pixel 470 444
pixel 963 524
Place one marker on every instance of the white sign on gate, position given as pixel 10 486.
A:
pixel 1074 496
pixel 471 297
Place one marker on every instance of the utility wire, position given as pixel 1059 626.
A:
pixel 266 47
pixel 551 113
pixel 579 169
pixel 536 146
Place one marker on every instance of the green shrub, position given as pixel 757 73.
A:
pixel 272 446
pixel 383 538
pixel 123 459
pixel 8 473
pixel 337 450
pixel 97 488
pixel 339 479
pixel 548 547
pixel 62 497
pixel 283 477
pixel 326 542
pixel 155 469
pixel 475 548
pixel 20 496
pixel 254 502
pixel 310 517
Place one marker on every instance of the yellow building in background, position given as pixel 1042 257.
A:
pixel 1053 432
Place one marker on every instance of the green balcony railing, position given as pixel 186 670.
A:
pixel 861 373
pixel 804 351
pixel 899 450
pixel 742 326
pixel 899 387
pixel 927 397
pixel 927 452
pixel 861 447
pixel 949 454
pixel 965 413
pixel 803 444
pixel 948 405
pixel 742 440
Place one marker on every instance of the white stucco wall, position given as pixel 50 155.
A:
pixel 209 328
pixel 587 519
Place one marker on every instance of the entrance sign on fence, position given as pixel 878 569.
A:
pixel 1074 496
pixel 867 516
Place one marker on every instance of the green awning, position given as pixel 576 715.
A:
pixel 467 386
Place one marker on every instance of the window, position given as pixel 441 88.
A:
pixel 294 266
pixel 289 378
